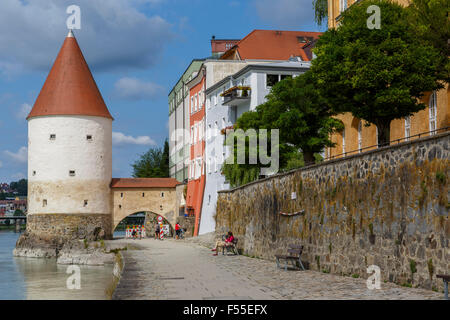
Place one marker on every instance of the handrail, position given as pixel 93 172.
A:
pixel 405 139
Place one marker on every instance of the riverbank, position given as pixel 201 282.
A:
pixel 44 279
pixel 186 269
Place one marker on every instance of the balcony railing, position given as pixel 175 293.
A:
pixel 236 95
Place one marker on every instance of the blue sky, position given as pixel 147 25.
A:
pixel 136 49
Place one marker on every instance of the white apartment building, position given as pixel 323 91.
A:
pixel 222 112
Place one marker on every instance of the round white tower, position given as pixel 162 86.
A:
pixel 69 155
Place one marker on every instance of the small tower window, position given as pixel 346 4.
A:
pixel 52 136
pixel 162 194
pixel 85 203
pixel 72 173
pixel 143 194
pixel 160 207
pixel 120 206
pixel 34 173
pixel 44 202
pixel 121 194
pixel 89 137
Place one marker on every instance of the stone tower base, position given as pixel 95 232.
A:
pixel 46 234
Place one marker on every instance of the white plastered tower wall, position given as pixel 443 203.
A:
pixel 68 158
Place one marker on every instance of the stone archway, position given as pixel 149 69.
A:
pixel 129 199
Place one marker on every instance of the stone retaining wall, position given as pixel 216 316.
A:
pixel 387 207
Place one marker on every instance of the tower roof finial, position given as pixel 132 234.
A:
pixel 70 34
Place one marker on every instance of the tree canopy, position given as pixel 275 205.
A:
pixel 320 11
pixel 153 164
pixel 303 119
pixel 376 74
pixel 20 186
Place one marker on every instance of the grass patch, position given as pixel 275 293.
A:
pixel 355 275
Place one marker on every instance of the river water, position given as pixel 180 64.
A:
pixel 32 278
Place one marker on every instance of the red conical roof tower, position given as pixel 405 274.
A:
pixel 70 88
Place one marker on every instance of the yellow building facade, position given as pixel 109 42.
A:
pixel 356 137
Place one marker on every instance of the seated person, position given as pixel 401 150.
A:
pixel 220 244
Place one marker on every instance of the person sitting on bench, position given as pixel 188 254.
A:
pixel 220 244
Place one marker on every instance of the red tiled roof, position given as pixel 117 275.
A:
pixel 70 88
pixel 144 183
pixel 271 45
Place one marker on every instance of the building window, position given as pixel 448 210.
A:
pixel 161 207
pixel 120 206
pixel 360 136
pixel 72 173
pixel 271 79
pixel 34 173
pixel 162 194
pixel 343 142
pixel 209 200
pixel 52 136
pixel 121 194
pixel 192 104
pixel 89 137
pixel 44 202
pixel 407 128
pixel 143 194
pixel 284 76
pixel 432 106
pixel 342 5
pixel 85 203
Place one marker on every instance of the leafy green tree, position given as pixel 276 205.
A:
pixel 165 159
pixel 18 213
pixel 152 164
pixel 2 196
pixel 303 118
pixel 432 25
pixel 376 74
pixel 20 186
pixel 320 11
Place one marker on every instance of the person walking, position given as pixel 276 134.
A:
pixel 177 230
pixel 157 231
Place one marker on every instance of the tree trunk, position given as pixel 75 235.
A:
pixel 308 156
pixel 384 133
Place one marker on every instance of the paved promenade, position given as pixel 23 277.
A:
pixel 171 269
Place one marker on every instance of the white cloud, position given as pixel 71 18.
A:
pixel 23 111
pixel 21 155
pixel 114 34
pixel 119 138
pixel 18 176
pixel 286 13
pixel 135 89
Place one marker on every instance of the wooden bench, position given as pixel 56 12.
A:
pixel 294 255
pixel 446 279
pixel 231 248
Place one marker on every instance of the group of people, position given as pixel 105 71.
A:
pixel 178 231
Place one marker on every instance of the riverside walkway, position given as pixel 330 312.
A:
pixel 183 269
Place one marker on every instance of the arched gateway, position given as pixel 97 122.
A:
pixel 156 195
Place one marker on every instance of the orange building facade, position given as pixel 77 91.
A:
pixel 356 137
pixel 196 171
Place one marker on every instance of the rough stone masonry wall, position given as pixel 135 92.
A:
pixel 387 207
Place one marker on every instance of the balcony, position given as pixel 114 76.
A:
pixel 236 96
